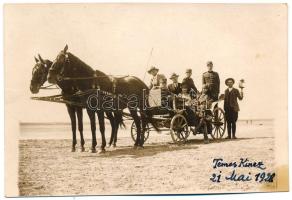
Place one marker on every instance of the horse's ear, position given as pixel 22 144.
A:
pixel 36 60
pixel 41 59
pixel 65 48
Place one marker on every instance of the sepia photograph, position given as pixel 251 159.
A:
pixel 143 99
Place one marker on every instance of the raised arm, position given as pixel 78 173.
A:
pixel 240 95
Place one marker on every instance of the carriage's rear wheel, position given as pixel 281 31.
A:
pixel 179 129
pixel 218 123
pixel 134 132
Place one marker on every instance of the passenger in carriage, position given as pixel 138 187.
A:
pixel 175 86
pixel 155 80
pixel 191 88
pixel 165 94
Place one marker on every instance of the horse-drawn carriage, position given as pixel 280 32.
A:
pixel 78 81
pixel 175 118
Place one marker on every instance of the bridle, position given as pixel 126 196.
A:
pixel 64 64
pixel 41 76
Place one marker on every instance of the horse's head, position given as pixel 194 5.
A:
pixel 56 72
pixel 39 74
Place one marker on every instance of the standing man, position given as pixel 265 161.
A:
pixel 175 86
pixel 155 80
pixel 231 107
pixel 188 81
pixel 212 81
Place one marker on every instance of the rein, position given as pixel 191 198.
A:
pixel 66 78
pixel 48 87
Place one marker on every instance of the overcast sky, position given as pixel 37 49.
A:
pixel 243 41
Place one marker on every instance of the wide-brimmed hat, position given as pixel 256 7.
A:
pixel 152 68
pixel 229 80
pixel 188 70
pixel 173 75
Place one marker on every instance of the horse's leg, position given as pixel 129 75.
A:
pixel 143 122
pixel 118 121
pixel 71 112
pixel 100 115
pixel 112 122
pixel 80 126
pixel 91 115
pixel 136 119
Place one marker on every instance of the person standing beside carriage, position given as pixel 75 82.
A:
pixel 188 81
pixel 231 107
pixel 212 81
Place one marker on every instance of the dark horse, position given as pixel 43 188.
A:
pixel 39 77
pixel 130 91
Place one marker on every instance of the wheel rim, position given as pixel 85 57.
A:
pixel 179 129
pixel 218 124
pixel 134 132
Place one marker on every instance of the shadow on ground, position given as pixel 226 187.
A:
pixel 148 150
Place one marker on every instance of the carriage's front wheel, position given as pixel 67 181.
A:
pixel 179 129
pixel 134 132
pixel 218 123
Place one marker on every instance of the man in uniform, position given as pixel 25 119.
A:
pixel 175 86
pixel 188 81
pixel 155 80
pixel 212 81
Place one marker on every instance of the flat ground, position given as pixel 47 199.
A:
pixel 47 167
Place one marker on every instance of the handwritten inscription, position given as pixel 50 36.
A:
pixel 262 176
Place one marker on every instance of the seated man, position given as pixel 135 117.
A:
pixel 175 86
pixel 165 94
pixel 204 103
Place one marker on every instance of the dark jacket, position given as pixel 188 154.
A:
pixel 230 99
pixel 190 84
pixel 212 80
pixel 174 89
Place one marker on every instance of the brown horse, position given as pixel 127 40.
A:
pixel 39 77
pixel 130 91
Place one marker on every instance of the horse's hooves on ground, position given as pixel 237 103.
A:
pixel 73 149
pixel 206 142
pixel 140 147
pixel 102 151
pixel 93 150
pixel 82 149
pixel 114 145
pixel 135 147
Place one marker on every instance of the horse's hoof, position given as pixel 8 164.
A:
pixel 135 147
pixel 93 150
pixel 73 149
pixel 140 147
pixel 206 142
pixel 114 145
pixel 102 151
pixel 82 149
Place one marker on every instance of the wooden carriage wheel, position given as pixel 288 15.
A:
pixel 218 123
pixel 134 132
pixel 179 129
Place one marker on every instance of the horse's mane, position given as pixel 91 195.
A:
pixel 77 62
pixel 142 82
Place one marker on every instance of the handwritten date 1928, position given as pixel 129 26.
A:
pixel 259 177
